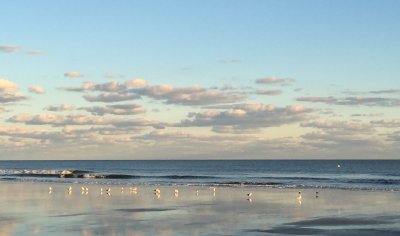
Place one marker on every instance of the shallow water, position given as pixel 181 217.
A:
pixel 29 209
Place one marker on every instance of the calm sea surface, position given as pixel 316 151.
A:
pixel 381 175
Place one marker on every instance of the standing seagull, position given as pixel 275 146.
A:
pixel 249 194
pixel 299 197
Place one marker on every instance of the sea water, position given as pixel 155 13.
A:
pixel 383 175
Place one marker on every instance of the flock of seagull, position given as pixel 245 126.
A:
pixel 157 192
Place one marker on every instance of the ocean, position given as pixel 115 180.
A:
pixel 368 175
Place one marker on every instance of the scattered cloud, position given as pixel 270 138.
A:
pixel 9 92
pixel 109 75
pixel 73 74
pixel 2 109
pixel 371 114
pixel 387 123
pixel 194 95
pixel 394 137
pixel 33 52
pixel 36 89
pixel 339 126
pixel 7 86
pixel 61 107
pixel 353 101
pixel 111 97
pixel 249 116
pixel 327 100
pixel 10 48
pixel 81 119
pixel 120 109
pixel 88 85
pixel 389 91
pixel 16 49
pixel 135 89
pixel 269 92
pixel 349 143
pixel 231 61
pixel 275 80
pixel 227 86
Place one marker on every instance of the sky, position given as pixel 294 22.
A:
pixel 182 79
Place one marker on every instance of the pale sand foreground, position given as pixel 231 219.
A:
pixel 29 209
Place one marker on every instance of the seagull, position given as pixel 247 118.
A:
pixel 50 189
pixel 197 192
pixel 338 166
pixel 176 191
pixel 133 190
pixel 69 188
pixel 87 189
pixel 316 194
pixel 157 190
pixel 83 188
pixel 250 194
pixel 299 197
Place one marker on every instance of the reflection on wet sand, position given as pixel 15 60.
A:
pixel 30 210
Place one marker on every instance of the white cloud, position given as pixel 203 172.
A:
pixel 269 92
pixel 388 123
pixel 7 86
pixel 9 92
pixel 343 126
pixel 88 85
pixel 354 101
pixel 111 97
pixel 136 83
pixel 10 48
pixel 61 107
pixel 249 116
pixel 36 89
pixel 81 119
pixel 388 91
pixel 120 109
pixel 134 89
pixel 73 74
pixel 275 80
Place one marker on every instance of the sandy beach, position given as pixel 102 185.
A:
pixel 30 209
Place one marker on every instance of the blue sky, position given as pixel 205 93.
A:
pixel 335 59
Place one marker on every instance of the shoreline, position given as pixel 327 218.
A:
pixel 87 181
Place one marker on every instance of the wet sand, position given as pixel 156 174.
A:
pixel 29 209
